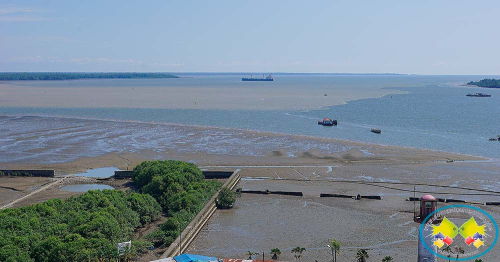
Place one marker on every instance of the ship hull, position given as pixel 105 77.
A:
pixel 256 79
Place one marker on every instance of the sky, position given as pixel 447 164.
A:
pixel 413 37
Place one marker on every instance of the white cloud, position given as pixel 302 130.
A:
pixel 11 13
pixel 9 9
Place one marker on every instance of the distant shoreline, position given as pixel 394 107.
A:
pixel 51 76
pixel 486 83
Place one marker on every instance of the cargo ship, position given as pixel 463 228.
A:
pixel 478 95
pixel 267 78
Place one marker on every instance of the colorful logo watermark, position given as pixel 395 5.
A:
pixel 459 232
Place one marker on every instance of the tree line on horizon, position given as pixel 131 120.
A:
pixel 488 82
pixel 73 76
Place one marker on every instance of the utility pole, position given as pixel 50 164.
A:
pixel 414 203
pixel 331 248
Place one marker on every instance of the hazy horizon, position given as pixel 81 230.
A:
pixel 424 38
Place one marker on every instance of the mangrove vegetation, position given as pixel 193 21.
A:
pixel 181 190
pixel 87 227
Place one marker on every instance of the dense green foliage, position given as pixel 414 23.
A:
pixel 181 190
pixel 490 83
pixel 226 198
pixel 82 228
pixel 71 76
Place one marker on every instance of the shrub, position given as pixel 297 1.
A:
pixel 226 199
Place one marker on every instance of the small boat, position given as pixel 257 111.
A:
pixel 327 122
pixel 478 95
pixel 376 131
pixel 493 139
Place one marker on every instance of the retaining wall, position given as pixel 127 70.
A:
pixel 335 195
pixel 353 197
pixel 37 173
pixel 122 174
pixel 267 192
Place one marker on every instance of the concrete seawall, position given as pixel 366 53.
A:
pixel 122 174
pixel 28 173
pixel 267 192
pixel 194 227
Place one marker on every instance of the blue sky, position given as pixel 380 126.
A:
pixel 421 37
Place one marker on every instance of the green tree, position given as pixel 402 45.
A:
pixel 362 255
pixel 387 259
pixel 335 247
pixel 276 253
pixel 478 260
pixel 298 252
pixel 80 228
pixel 226 198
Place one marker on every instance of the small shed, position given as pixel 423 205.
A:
pixel 428 204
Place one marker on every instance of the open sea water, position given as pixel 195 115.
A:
pixel 432 113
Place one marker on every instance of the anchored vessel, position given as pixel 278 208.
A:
pixel 478 95
pixel 327 122
pixel 267 78
pixel 376 131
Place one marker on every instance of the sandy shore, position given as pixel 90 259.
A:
pixel 228 94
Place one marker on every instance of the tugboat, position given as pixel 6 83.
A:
pixel 376 131
pixel 327 122
pixel 267 78
pixel 478 95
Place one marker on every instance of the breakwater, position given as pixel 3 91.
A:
pixel 352 197
pixel 267 192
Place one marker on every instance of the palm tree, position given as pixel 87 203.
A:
pixel 460 251
pixel 447 249
pixel 298 252
pixel 335 246
pixel 276 253
pixel 362 255
pixel 251 254
pixel 387 259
